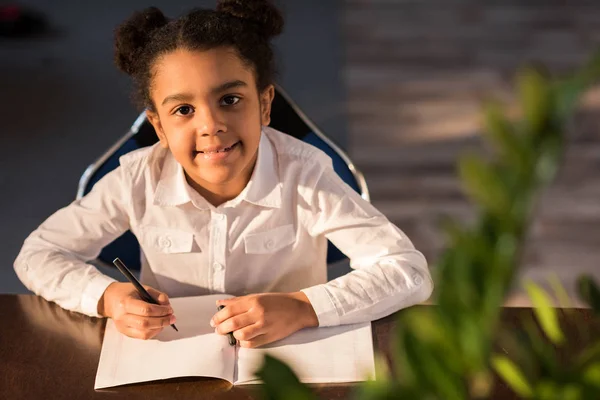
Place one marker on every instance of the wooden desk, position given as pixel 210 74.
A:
pixel 47 352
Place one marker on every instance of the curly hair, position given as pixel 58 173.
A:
pixel 245 25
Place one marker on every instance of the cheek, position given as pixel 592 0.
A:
pixel 180 143
pixel 249 129
pixel 251 142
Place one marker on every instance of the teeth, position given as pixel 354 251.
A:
pixel 218 151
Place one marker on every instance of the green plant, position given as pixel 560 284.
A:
pixel 447 352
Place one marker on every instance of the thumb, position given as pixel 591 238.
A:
pixel 160 297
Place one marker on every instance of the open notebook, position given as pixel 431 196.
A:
pixel 332 354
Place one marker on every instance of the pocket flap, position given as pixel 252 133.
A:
pixel 270 241
pixel 168 240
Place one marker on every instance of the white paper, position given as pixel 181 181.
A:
pixel 333 354
pixel 196 350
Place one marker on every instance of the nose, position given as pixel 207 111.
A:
pixel 209 122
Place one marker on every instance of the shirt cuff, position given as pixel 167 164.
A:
pixel 92 294
pixel 323 305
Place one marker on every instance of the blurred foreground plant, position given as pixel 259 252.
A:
pixel 447 351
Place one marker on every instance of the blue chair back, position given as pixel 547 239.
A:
pixel 285 117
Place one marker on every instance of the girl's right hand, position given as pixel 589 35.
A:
pixel 132 316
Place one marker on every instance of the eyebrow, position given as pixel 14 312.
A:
pixel 221 88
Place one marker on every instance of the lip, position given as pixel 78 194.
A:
pixel 217 153
pixel 213 149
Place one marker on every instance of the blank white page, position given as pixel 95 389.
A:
pixel 196 350
pixel 331 354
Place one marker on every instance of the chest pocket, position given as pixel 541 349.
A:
pixel 270 241
pixel 167 240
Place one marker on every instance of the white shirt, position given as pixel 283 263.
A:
pixel 271 238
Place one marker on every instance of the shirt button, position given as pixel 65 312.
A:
pixel 218 267
pixel 164 242
pixel 269 244
pixel 417 279
pixel 220 217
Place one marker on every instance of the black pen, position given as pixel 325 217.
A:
pixel 143 293
pixel 232 340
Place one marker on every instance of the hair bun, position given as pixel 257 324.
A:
pixel 134 34
pixel 261 12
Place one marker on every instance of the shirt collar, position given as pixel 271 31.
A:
pixel 172 188
pixel 263 189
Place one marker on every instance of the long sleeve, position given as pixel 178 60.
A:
pixel 53 260
pixel 389 273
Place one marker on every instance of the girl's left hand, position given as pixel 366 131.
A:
pixel 258 319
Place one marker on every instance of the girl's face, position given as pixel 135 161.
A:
pixel 209 114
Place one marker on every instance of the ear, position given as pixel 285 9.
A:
pixel 266 99
pixel 155 121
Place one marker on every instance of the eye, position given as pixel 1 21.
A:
pixel 184 110
pixel 229 100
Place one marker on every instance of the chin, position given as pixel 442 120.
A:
pixel 219 177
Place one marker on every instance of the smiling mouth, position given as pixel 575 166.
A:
pixel 225 150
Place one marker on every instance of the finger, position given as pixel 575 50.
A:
pixel 231 310
pixel 257 341
pixel 234 323
pixel 140 307
pixel 159 296
pixel 249 332
pixel 138 333
pixel 145 323
pixel 226 302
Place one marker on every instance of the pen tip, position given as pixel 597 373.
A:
pixel 174 327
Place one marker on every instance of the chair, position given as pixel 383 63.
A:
pixel 285 117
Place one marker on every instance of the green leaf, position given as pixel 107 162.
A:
pixel 373 390
pixel 483 184
pixel 567 96
pixel 559 290
pixel 382 369
pixel 503 260
pixel 589 292
pixel 281 383
pixel 590 354
pixel 591 375
pixel 548 159
pixel 515 343
pixel 453 230
pixel 472 342
pixel 425 324
pixel 571 392
pixel 547 390
pixel 501 134
pixel 535 98
pixel 427 368
pixel 567 92
pixel 545 353
pixel 545 313
pixel 512 375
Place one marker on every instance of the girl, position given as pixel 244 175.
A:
pixel 223 203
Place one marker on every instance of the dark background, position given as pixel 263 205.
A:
pixel 63 102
